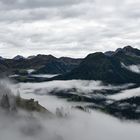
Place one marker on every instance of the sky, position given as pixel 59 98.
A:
pixel 71 28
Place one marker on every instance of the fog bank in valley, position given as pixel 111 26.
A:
pixel 77 125
pixel 81 86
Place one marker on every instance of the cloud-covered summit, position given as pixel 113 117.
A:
pixel 67 27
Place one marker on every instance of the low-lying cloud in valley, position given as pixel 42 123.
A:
pixel 77 125
pixel 83 86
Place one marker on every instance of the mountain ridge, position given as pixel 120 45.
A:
pixel 107 68
pixel 20 65
pixel 110 67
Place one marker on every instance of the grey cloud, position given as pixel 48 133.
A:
pixel 68 28
pixel 46 13
pixel 13 4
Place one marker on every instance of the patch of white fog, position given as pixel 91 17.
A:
pixel 78 126
pixel 14 75
pixel 80 85
pixel 49 102
pixel 36 75
pixel 128 93
pixel 30 71
pixel 44 75
pixel 133 68
pixel 40 91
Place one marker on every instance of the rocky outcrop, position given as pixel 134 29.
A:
pixel 20 103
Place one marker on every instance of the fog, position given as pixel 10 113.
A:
pixel 126 94
pixel 133 68
pixel 78 125
pixel 81 86
pixel 44 75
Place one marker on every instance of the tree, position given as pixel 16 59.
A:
pixel 5 102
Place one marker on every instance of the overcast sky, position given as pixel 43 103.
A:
pixel 67 27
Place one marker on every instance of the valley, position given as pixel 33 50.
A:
pixel 101 89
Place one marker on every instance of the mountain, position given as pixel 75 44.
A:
pixel 41 64
pixel 30 57
pixel 108 68
pixel 1 58
pixel 18 57
pixel 58 66
pixel 120 66
pixel 3 67
pixel 127 50
pixel 128 56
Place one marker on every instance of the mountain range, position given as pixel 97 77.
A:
pixel 40 64
pixel 120 66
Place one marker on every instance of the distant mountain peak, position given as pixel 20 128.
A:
pixel 128 50
pixel 18 57
pixel 97 54
pixel 31 57
pixel 1 58
pixel 107 67
pixel 109 53
pixel 42 55
pixel 125 49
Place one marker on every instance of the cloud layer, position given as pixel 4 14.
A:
pixel 67 27
pixel 33 126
